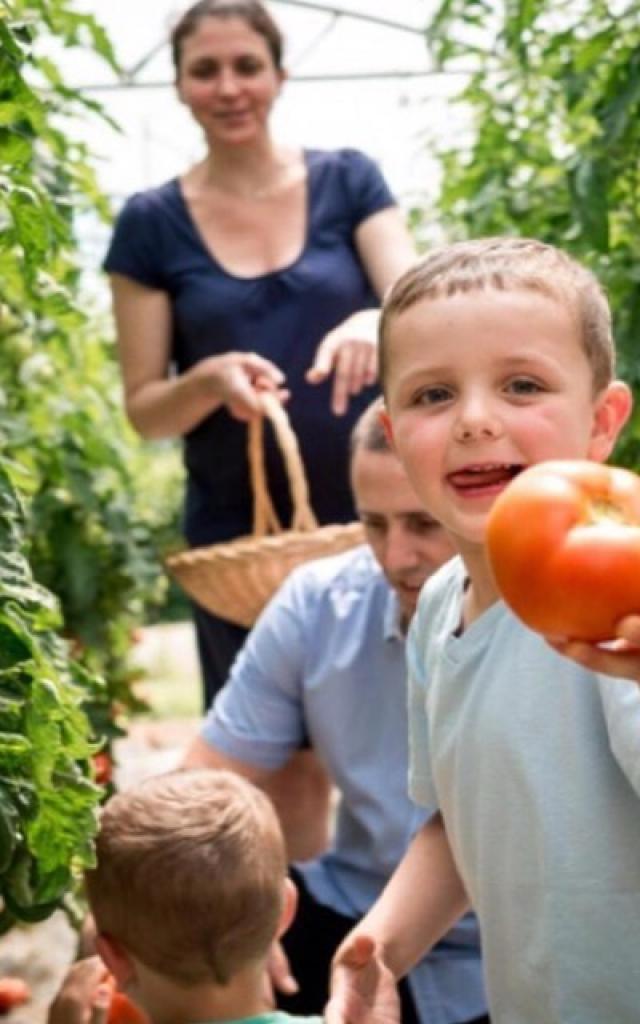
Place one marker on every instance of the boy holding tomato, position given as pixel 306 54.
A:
pixel 496 355
pixel 188 894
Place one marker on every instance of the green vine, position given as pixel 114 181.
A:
pixel 47 796
pixel 78 566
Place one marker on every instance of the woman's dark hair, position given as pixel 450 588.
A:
pixel 250 11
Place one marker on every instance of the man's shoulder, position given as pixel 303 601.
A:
pixel 353 570
pixel 323 594
pixel 336 588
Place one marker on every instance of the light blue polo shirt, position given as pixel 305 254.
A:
pixel 326 659
pixel 535 764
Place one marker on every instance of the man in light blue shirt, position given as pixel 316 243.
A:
pixel 325 663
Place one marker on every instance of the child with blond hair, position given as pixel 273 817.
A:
pixel 188 894
pixel 495 355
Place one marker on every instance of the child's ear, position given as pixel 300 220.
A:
pixel 612 410
pixel 116 958
pixel 289 907
pixel 385 420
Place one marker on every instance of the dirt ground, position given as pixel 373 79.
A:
pixel 40 954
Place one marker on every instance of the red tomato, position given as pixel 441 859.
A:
pixel 564 545
pixel 123 1011
pixel 13 992
pixel 103 767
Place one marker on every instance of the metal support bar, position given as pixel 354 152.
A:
pixel 348 76
pixel 345 12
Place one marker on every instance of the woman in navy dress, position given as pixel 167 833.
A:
pixel 262 266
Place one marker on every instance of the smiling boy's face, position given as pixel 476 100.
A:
pixel 480 385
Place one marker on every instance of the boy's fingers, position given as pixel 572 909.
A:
pixel 100 1008
pixel 629 629
pixel 616 659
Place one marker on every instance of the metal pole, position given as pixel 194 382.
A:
pixel 357 76
pixel 374 19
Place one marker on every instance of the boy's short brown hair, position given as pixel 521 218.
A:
pixel 509 264
pixel 190 874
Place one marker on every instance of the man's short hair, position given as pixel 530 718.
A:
pixel 368 432
pixel 190 874
pixel 509 264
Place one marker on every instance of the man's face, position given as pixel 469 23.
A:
pixel 406 541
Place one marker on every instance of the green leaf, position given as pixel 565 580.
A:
pixel 616 113
pixel 14 645
pixel 589 184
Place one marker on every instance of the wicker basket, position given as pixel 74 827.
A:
pixel 236 579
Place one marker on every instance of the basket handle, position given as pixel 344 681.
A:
pixel 265 519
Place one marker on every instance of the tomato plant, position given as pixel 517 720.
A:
pixel 103 768
pixel 564 544
pixel 78 567
pixel 48 800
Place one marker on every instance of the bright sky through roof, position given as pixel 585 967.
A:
pixel 393 119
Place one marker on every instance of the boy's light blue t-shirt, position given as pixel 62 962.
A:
pixel 534 763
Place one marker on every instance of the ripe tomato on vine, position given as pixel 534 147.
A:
pixel 103 767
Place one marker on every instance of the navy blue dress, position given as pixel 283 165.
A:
pixel 281 315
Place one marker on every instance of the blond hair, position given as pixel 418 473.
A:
pixel 190 874
pixel 509 264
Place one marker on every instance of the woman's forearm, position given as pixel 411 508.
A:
pixel 161 404
pixel 172 407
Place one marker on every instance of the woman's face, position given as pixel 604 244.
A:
pixel 228 80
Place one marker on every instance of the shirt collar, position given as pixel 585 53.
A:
pixel 392 622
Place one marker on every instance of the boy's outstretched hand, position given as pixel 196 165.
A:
pixel 619 658
pixel 363 989
pixel 84 996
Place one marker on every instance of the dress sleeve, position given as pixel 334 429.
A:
pixel 367 189
pixel 258 716
pixel 134 250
